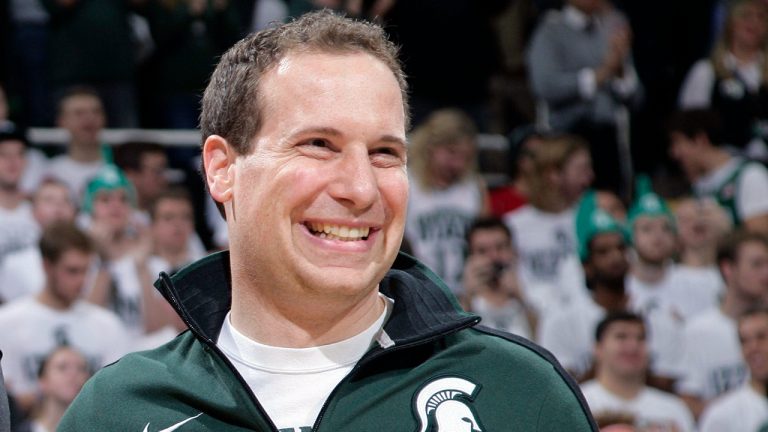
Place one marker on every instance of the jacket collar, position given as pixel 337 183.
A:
pixel 201 294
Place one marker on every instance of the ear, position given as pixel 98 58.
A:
pixel 218 159
pixel 726 269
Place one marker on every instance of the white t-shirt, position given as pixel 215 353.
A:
pixel 32 330
pixel 74 174
pixel 21 274
pixel 18 229
pixel 711 363
pixel 292 384
pixel 751 188
pixel 570 335
pixel 436 227
pixel 651 407
pixel 645 297
pixel 739 410
pixel 509 317
pixel 694 290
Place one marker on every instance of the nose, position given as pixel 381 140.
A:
pixel 354 180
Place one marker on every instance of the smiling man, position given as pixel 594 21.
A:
pixel 312 321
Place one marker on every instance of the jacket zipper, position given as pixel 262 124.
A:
pixel 376 353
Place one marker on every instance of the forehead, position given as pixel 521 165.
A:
pixel 12 144
pixel 80 101
pixel 173 204
pixel 624 326
pixel 487 235
pixel 607 240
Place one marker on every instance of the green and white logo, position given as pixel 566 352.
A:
pixel 444 405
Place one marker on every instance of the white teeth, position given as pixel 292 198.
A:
pixel 338 232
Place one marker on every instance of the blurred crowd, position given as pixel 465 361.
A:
pixel 626 232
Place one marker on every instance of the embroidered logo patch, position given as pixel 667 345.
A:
pixel 445 405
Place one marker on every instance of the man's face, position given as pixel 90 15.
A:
pixel 687 151
pixel 66 276
pixel 150 179
pixel 319 204
pixel 749 273
pixel 52 203
pixel 577 175
pixel 112 207
pixel 172 223
pixel 607 260
pixel 654 238
pixel 12 163
pixel 65 374
pixel 449 163
pixel 622 349
pixel 493 244
pixel 753 334
pixel 83 117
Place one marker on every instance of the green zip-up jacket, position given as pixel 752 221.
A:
pixel 434 370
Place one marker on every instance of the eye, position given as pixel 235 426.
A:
pixel 387 156
pixel 318 142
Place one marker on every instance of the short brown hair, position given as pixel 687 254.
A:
pixel 232 105
pixel 553 153
pixel 60 237
pixel 730 246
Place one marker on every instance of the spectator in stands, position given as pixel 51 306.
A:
pixel 446 192
pixel 701 223
pixel 740 186
pixel 492 287
pixel 621 365
pixel 80 112
pixel 61 376
pixel 91 43
pixel 581 71
pixel 57 316
pixel 189 36
pixel 17 230
pixel 514 195
pixel 569 334
pixel 145 164
pixel 712 362
pixel 652 227
pixel 544 230
pixel 745 408
pixel 21 272
pixel 732 81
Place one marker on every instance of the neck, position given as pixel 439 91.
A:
pixel 174 257
pixel 626 388
pixel 745 53
pixel 10 197
pixel 50 414
pixel 610 298
pixel 647 272
pixel 275 317
pixel 733 305
pixel 757 386
pixel 82 152
pixel 47 298
pixel 699 257
pixel 716 159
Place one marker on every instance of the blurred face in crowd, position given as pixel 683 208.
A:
pixel 748 24
pixel 112 207
pixel 12 163
pixel 687 152
pixel 753 335
pixel 150 179
pixel 654 239
pixel 611 203
pixel 52 203
pixel 449 163
pixel 65 373
pixel 66 276
pixel 83 116
pixel 748 274
pixel 622 350
pixel 700 223
pixel 172 223
pixel 493 244
pixel 607 262
pixel 576 175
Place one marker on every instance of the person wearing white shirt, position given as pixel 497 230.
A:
pixel 745 408
pixel 622 358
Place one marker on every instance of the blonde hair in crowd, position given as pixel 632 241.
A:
pixel 723 44
pixel 550 157
pixel 443 128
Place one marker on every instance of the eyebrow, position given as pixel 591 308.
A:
pixel 337 133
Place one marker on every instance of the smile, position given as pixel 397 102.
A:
pixel 338 232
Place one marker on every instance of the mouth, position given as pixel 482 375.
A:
pixel 338 232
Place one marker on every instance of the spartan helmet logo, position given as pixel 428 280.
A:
pixel 441 406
